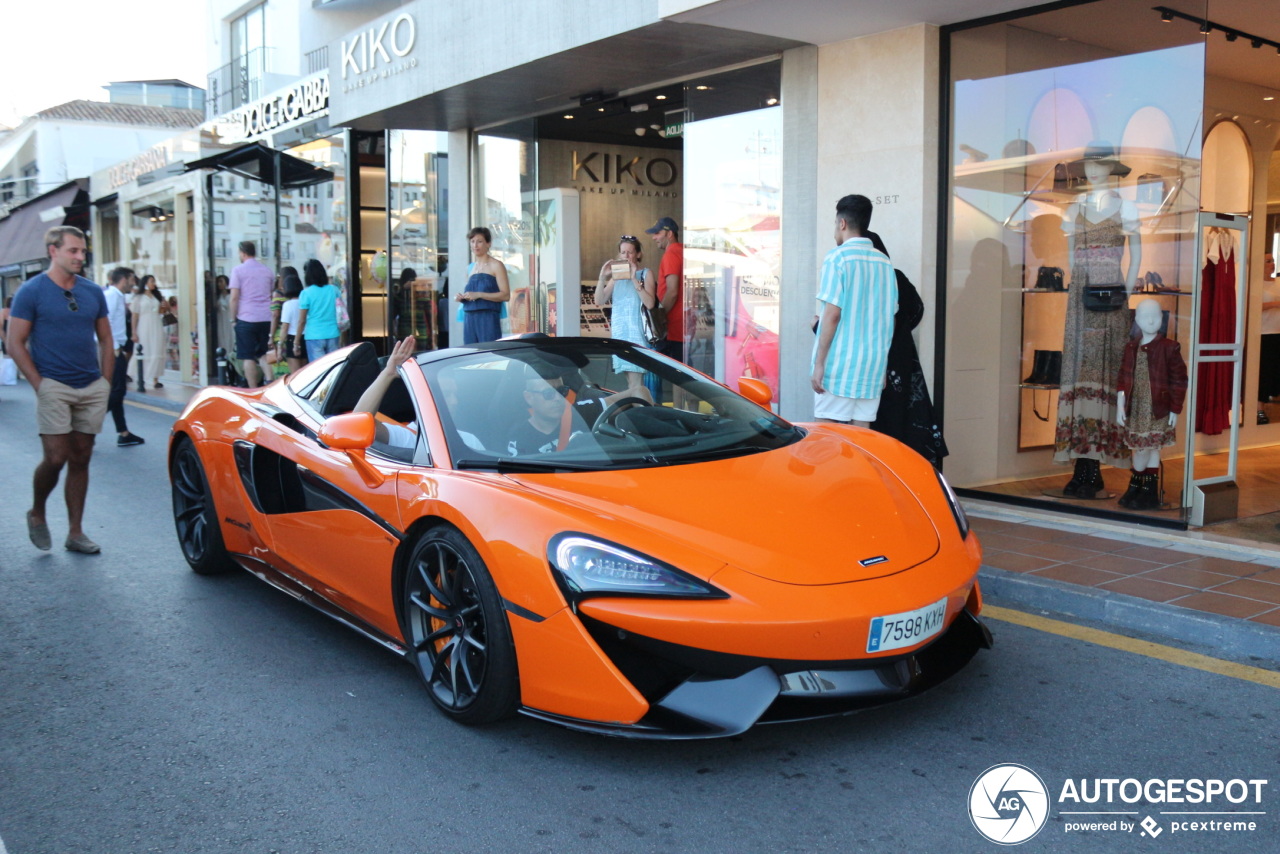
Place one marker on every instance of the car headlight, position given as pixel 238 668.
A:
pixel 586 567
pixel 957 512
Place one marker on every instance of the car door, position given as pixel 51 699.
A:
pixel 333 526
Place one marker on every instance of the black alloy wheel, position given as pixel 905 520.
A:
pixel 457 630
pixel 194 515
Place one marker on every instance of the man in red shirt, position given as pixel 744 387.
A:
pixel 666 235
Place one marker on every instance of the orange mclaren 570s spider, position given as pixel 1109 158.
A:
pixel 534 535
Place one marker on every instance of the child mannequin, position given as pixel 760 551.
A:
pixel 1152 387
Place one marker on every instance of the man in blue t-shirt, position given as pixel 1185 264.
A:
pixel 60 336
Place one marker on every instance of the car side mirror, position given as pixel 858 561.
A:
pixel 353 432
pixel 754 390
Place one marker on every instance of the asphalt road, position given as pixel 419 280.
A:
pixel 144 708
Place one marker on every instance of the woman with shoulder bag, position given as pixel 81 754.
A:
pixel 627 294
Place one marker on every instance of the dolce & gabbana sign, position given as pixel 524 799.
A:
pixel 150 160
pixel 306 99
pixel 379 52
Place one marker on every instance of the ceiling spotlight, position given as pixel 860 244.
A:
pixel 568 115
pixel 639 108
pixel 659 97
pixel 640 131
pixel 702 87
pixel 771 102
pixel 1232 36
pixel 1166 16
pixel 1268 97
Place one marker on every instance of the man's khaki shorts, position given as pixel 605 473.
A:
pixel 61 409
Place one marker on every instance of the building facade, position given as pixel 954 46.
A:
pixel 968 124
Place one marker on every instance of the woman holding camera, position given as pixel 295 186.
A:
pixel 626 285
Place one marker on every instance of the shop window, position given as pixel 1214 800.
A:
pixel 732 200
pixel 1073 165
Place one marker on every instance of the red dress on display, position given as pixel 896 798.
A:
pixel 1217 326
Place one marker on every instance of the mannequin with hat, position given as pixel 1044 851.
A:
pixel 1105 249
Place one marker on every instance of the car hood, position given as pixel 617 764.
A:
pixel 819 511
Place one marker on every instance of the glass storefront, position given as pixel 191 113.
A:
pixel 733 224
pixel 559 192
pixel 418 174
pixel 1075 189
pixel 312 223
pixel 1104 301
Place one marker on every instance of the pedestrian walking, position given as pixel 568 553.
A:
pixel 122 281
pixel 858 293
pixel 250 286
pixel 317 313
pixel 148 307
pixel 289 345
pixel 60 337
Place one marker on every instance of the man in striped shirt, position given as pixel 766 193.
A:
pixel 859 296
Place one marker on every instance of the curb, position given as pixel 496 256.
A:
pixel 1228 635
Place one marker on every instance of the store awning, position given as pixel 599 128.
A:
pixel 257 162
pixel 22 232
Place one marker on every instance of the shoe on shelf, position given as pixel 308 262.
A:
pixel 128 439
pixel 81 543
pixel 39 533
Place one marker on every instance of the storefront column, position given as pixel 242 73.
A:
pixel 800 203
pixel 881 140
pixel 461 151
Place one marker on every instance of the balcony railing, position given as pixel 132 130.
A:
pixel 238 82
pixel 317 60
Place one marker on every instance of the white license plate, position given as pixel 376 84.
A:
pixel 906 629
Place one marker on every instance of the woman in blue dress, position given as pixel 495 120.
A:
pixel 626 296
pixel 487 289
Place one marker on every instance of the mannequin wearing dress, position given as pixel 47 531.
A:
pixel 1100 228
pixel 1152 389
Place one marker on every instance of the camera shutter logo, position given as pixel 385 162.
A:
pixel 1008 804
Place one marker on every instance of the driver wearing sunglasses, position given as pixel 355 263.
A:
pixel 540 432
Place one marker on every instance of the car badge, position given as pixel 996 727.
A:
pixel 872 561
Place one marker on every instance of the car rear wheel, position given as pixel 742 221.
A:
pixel 194 515
pixel 457 630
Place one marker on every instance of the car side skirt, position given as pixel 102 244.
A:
pixel 293 587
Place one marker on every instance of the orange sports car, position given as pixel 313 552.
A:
pixel 588 533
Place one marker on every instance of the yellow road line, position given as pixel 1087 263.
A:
pixel 151 408
pixel 1138 647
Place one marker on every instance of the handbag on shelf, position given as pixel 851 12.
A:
pixel 1050 279
pixel 1105 297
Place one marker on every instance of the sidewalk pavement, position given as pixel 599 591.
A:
pixel 1189 587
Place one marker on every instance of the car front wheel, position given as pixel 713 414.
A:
pixel 459 638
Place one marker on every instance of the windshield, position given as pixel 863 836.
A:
pixel 569 405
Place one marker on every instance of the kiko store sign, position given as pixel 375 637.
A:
pixel 379 52
pixel 307 99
